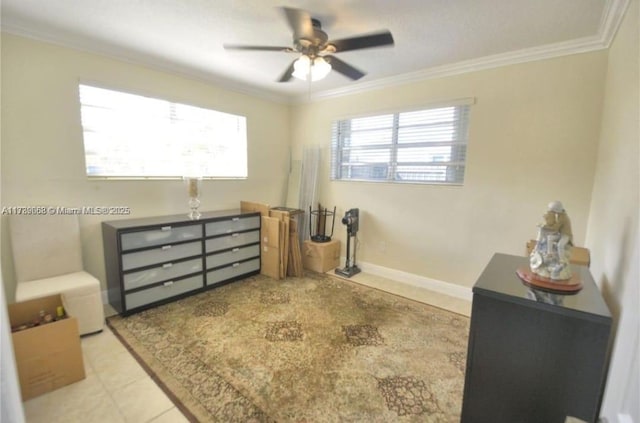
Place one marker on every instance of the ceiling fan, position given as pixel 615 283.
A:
pixel 315 48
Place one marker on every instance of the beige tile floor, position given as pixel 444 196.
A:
pixel 118 390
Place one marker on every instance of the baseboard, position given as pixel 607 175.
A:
pixel 447 288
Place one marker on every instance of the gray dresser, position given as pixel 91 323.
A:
pixel 155 260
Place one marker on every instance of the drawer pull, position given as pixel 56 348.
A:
pixel 167 265
pixel 235 265
pixel 165 228
pixel 235 219
pixel 166 247
pixel 168 283
pixel 235 250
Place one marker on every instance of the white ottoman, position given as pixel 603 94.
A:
pixel 47 257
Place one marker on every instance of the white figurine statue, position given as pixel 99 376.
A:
pixel 550 257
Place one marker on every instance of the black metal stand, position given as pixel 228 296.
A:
pixel 321 223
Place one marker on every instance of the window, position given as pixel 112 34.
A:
pixel 132 136
pixel 424 146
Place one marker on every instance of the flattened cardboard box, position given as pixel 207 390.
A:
pixel 270 245
pixel 250 206
pixel 49 356
pixel 321 256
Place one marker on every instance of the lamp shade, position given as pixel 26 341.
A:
pixel 303 68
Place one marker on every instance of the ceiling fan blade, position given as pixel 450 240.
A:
pixel 258 48
pixel 286 76
pixel 379 39
pixel 300 23
pixel 344 68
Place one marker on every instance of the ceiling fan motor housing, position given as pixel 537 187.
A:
pixel 312 46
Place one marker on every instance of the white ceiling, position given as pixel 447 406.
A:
pixel 432 37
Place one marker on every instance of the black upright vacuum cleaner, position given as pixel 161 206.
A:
pixel 350 219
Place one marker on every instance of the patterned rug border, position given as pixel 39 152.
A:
pixel 193 410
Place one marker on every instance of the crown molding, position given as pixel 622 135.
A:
pixel 147 61
pixel 488 62
pixel 612 16
pixel 611 20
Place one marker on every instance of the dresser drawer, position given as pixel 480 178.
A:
pixel 233 256
pixel 163 254
pixel 231 241
pixel 162 292
pixel 161 273
pixel 160 236
pixel 229 272
pixel 235 224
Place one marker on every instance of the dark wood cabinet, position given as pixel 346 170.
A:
pixel 151 261
pixel 534 356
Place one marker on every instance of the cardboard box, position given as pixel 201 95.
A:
pixel 321 256
pixel 251 206
pixel 270 245
pixel 285 221
pixel 48 356
pixel 579 255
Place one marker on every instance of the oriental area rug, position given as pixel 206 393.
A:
pixel 309 349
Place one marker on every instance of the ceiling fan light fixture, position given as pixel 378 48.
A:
pixel 303 68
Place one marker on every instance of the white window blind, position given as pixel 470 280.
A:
pixel 132 136
pixel 424 146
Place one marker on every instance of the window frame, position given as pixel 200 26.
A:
pixel 459 159
pixel 172 104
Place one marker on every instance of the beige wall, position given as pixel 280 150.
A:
pixel 532 139
pixel 613 232
pixel 42 153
